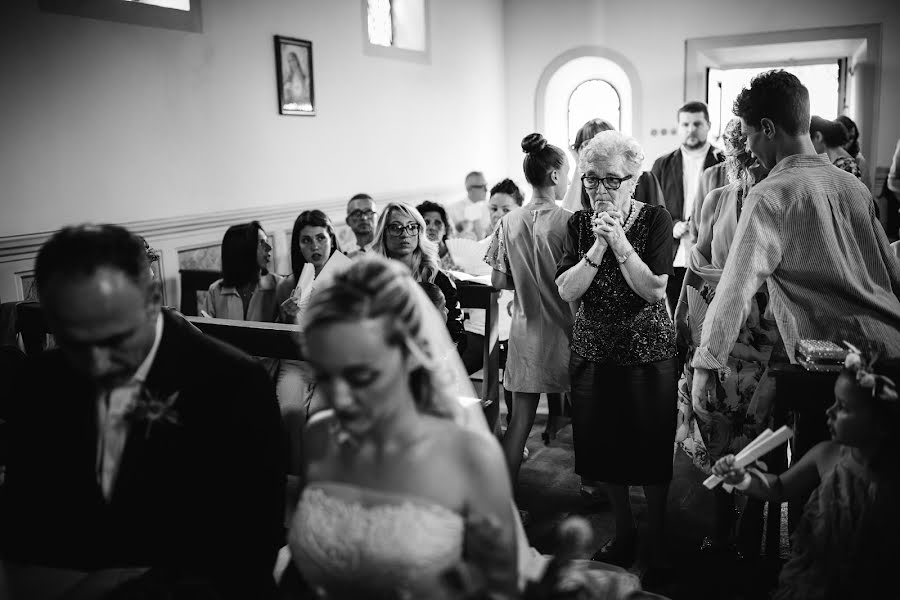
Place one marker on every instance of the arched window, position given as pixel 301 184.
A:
pixel 593 99
pixel 586 83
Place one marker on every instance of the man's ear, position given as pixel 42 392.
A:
pixel 768 127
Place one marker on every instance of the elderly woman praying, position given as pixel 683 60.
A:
pixel 616 262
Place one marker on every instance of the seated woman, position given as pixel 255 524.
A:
pixel 246 291
pixel 392 482
pixel 313 242
pixel 399 235
pixel 846 543
pixel 437 229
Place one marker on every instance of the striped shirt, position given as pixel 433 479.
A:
pixel 809 231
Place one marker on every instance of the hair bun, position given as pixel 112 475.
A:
pixel 533 142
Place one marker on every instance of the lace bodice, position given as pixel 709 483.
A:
pixel 346 540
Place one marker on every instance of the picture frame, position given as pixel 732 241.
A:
pixel 294 76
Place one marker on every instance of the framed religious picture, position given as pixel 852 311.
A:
pixel 294 71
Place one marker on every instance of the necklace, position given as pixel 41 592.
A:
pixel 632 214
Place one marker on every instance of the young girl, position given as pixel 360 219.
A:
pixel 845 545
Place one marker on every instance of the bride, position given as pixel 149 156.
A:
pixel 396 490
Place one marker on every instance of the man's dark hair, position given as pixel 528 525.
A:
pixel 239 246
pixel 834 133
pixel 509 187
pixel 429 206
pixel 776 95
pixel 81 250
pixel 359 197
pixel 695 106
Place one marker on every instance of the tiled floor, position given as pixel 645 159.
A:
pixel 549 490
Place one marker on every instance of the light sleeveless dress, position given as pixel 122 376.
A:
pixel 353 542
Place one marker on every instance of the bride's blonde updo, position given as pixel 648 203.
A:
pixel 374 287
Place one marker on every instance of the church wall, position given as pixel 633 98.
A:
pixel 106 121
pixel 651 35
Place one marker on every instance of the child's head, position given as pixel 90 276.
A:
pixel 436 296
pixel 866 412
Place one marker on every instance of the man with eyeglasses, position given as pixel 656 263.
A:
pixel 471 216
pixel 679 175
pixel 361 219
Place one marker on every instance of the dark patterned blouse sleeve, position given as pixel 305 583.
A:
pixel 496 255
pixel 658 253
pixel 571 254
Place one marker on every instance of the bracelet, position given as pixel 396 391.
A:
pixel 590 262
pixel 625 256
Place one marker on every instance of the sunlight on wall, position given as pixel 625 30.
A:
pixel 566 80
pixel 821 80
pixel 593 99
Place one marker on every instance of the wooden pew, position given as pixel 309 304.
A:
pixel 271 340
pixel 252 341
pixel 193 281
pixel 31 327
pixel 476 295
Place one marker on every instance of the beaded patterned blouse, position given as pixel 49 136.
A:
pixel 613 323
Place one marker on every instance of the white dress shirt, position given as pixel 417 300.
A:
pixel 693 161
pixel 113 407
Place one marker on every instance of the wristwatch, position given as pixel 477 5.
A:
pixel 625 256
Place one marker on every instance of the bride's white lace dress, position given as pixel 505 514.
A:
pixel 357 542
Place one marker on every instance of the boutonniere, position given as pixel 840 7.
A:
pixel 152 409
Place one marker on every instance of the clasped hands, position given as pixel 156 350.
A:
pixel 607 228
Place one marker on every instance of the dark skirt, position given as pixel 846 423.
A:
pixel 623 420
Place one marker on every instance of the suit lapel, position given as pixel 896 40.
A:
pixel 712 158
pixel 678 181
pixel 145 447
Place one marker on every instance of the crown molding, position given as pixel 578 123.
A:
pixel 17 247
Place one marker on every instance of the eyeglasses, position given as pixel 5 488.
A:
pixel 591 182
pixel 480 186
pixel 396 229
pixel 361 214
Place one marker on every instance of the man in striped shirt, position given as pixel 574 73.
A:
pixel 809 232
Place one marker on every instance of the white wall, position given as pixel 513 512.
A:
pixel 106 121
pixel 651 35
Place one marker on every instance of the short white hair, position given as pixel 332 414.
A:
pixel 610 146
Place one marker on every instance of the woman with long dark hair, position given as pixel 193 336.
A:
pixel 246 291
pixel 313 242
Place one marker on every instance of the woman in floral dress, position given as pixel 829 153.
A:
pixel 744 398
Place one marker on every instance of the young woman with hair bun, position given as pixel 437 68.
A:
pixel 524 251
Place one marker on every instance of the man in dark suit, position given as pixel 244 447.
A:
pixel 140 441
pixel 679 174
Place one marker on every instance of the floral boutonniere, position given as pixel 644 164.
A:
pixel 151 409
pixel 882 387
